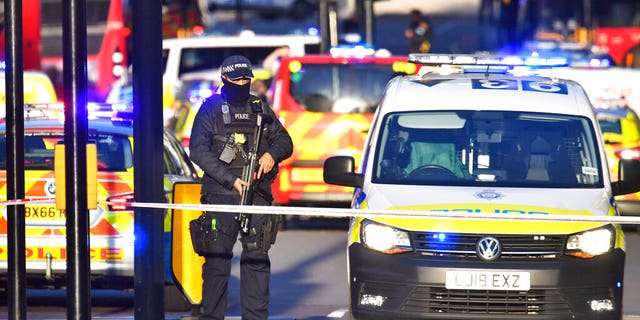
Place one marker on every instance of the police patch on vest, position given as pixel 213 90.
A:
pixel 242 116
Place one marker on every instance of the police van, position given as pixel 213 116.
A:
pixel 481 137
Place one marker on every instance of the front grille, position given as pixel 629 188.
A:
pixel 423 299
pixel 464 245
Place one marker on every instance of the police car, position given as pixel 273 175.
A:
pixel 111 226
pixel 479 135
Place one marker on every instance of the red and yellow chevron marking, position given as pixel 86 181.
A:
pixel 44 219
pixel 317 136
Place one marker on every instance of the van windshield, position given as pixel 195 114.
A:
pixel 487 148
pixel 198 59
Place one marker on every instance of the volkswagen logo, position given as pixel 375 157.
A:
pixel 488 195
pixel 488 248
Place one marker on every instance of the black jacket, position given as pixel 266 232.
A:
pixel 204 149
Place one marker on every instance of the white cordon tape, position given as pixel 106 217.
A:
pixel 345 213
pixel 27 201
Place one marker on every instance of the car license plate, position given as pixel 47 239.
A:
pixel 487 280
pixel 44 215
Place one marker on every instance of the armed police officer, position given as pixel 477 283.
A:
pixel 224 131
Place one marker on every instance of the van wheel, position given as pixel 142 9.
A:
pixel 174 300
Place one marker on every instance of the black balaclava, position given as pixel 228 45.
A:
pixel 235 93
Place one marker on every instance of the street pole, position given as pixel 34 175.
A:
pixel 76 130
pixel 368 21
pixel 16 286
pixel 148 175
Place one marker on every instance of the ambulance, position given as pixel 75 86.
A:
pixel 484 136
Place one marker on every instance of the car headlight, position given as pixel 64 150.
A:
pixel 591 243
pixel 384 238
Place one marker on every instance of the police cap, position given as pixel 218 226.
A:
pixel 236 67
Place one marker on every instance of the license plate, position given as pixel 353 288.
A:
pixel 47 213
pixel 487 280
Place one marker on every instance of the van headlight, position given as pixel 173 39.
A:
pixel 591 243
pixel 385 238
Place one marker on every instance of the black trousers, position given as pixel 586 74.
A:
pixel 255 266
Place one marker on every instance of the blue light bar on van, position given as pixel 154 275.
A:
pixel 117 112
pixel 482 60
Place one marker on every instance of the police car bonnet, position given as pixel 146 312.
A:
pixel 236 67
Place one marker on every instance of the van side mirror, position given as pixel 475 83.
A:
pixel 628 177
pixel 340 170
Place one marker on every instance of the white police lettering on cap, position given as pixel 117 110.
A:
pixel 233 67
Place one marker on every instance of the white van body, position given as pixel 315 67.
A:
pixel 182 55
pixel 447 141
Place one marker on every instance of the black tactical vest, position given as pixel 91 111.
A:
pixel 242 120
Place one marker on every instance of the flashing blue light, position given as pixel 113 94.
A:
pixel 121 107
pixel 199 94
pixel 596 62
pixel 114 111
pixel 440 236
pixel 313 31
pixel 618 284
pixel 141 238
pixel 361 196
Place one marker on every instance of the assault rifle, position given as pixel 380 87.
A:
pixel 248 174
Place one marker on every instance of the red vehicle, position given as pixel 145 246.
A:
pixel 623 44
pixel 32 51
pixel 327 102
